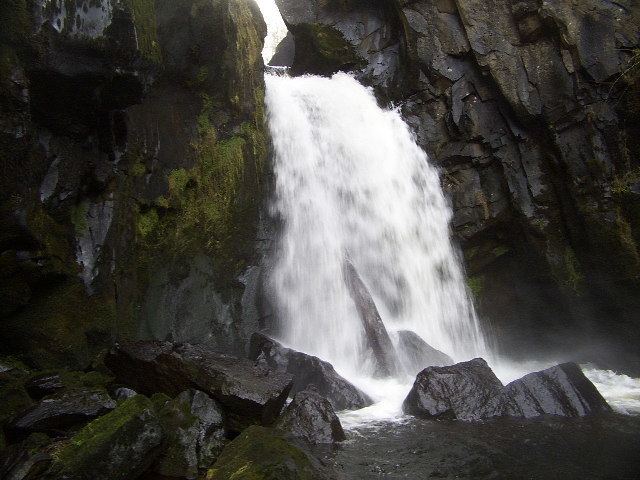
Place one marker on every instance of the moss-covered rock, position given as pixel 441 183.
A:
pixel 13 398
pixel 119 445
pixel 263 454
pixel 323 50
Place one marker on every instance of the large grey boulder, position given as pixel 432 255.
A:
pixel 311 417
pixel 308 371
pixel 465 391
pixel 248 393
pixel 560 390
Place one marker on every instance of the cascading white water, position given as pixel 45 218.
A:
pixel 351 182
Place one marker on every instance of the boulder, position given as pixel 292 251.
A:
pixel 560 390
pixel 310 417
pixel 377 337
pixel 42 386
pixel 260 453
pixel 464 391
pixel 416 354
pixel 122 444
pixel 248 393
pixel 307 371
pixel 193 424
pixel 55 414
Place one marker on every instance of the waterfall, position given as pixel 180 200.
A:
pixel 352 185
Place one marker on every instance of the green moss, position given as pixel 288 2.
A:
pixel 54 330
pixel 323 50
pixel 261 454
pixel 475 285
pixel 144 19
pixel 91 446
pixel 622 183
pixel 178 180
pixel 53 239
pixel 79 217
pixel 148 223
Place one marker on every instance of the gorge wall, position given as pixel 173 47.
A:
pixel 530 109
pixel 134 155
pixel 135 161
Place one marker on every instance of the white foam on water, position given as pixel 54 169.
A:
pixel 621 391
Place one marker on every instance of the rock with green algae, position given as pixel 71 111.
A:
pixel 323 50
pixel 193 423
pixel 262 454
pixel 120 445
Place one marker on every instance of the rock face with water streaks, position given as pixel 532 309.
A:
pixel 530 109
pixel 307 372
pixel 376 335
pixel 248 393
pixel 133 156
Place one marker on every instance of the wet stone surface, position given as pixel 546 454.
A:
pixel 547 448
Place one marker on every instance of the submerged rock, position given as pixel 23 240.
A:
pixel 263 454
pixel 416 354
pixel 561 390
pixel 311 417
pixel 55 414
pixel 248 393
pixel 121 444
pixel 193 424
pixel 377 337
pixel 307 371
pixel 464 391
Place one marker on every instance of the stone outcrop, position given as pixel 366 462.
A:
pixel 529 108
pixel 248 393
pixel 307 372
pixel 311 417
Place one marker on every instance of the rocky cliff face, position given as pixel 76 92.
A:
pixel 530 108
pixel 133 154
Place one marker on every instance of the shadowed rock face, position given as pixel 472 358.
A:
pixel 311 417
pixel 248 393
pixel 561 390
pixel 376 334
pixel 308 371
pixel 471 391
pixel 416 354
